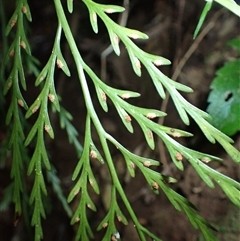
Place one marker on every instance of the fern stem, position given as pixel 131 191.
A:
pixel 79 63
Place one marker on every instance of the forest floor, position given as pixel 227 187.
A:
pixel 170 26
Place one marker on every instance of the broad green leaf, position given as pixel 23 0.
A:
pixel 224 99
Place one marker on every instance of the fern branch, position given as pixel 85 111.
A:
pixel 42 124
pixel 15 81
pixel 143 116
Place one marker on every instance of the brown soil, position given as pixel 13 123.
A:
pixel 170 25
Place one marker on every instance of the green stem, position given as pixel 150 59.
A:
pixel 79 62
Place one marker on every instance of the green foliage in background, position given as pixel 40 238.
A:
pixel 21 135
pixel 224 98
